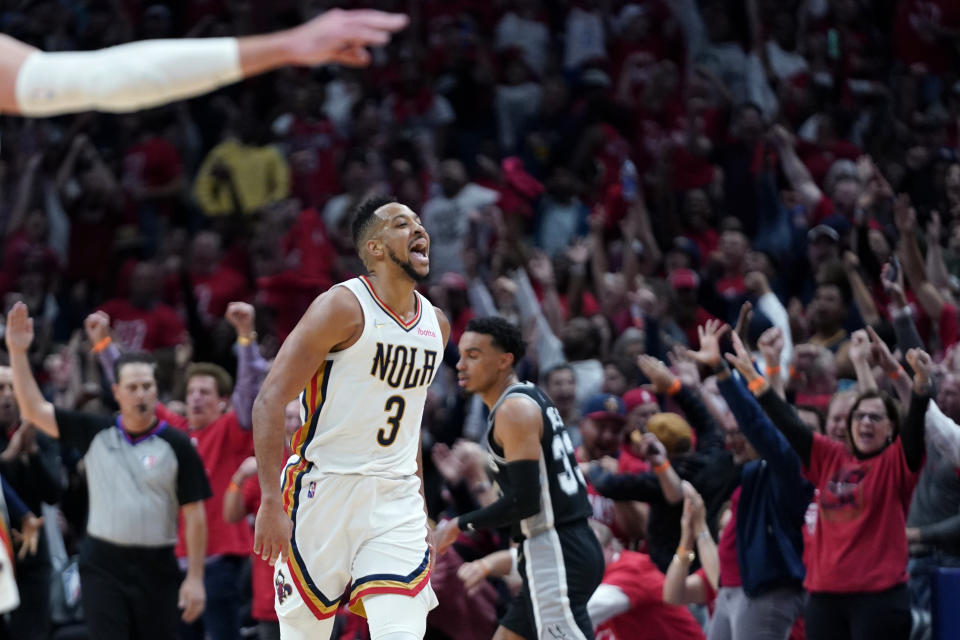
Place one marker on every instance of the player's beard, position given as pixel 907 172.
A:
pixel 407 267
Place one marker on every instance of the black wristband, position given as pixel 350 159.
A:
pixel 521 499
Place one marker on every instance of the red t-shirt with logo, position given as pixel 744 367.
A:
pixel 860 542
pixel 137 329
pixel 648 617
pixel 223 445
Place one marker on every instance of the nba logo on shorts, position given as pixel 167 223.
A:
pixel 311 489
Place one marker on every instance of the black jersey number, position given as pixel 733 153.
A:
pixel 395 404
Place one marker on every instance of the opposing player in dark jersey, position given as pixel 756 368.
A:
pixel 544 497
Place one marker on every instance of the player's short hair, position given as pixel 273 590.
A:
pixel 364 220
pixel 505 335
pixel 132 357
pixel 223 379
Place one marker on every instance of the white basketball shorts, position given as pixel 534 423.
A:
pixel 367 530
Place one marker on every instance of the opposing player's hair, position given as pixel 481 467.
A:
pixel 132 357
pixel 364 219
pixel 505 335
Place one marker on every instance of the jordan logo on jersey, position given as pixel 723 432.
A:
pixel 399 365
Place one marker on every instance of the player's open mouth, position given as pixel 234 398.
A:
pixel 418 251
pixel 462 381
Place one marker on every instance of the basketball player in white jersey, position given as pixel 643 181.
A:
pixel 150 73
pixel 349 507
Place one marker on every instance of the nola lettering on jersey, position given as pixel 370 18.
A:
pixel 398 365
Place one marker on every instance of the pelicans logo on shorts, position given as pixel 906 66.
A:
pixel 284 590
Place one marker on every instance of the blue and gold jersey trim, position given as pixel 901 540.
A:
pixel 408 585
pixel 311 401
pixel 321 606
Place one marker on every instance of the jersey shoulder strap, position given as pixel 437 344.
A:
pixel 524 389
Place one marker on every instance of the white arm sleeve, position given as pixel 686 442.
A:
pixel 942 433
pixel 771 307
pixel 127 77
pixel 607 602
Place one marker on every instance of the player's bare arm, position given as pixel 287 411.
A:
pixel 149 73
pixel 12 55
pixel 333 322
pixel 518 428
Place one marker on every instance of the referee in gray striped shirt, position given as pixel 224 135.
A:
pixel 140 473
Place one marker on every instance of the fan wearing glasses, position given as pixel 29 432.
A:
pixel 856 557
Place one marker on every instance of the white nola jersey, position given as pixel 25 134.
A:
pixel 361 411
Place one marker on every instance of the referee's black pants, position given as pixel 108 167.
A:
pixel 129 593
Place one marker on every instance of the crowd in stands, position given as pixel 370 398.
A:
pixel 729 229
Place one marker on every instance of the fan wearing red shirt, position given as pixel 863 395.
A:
pixel 141 322
pixel 857 563
pixel 309 250
pixel 628 604
pixel 223 439
pixel 242 499
pixel 312 146
pixel 214 283
pixel 602 432
pixel 152 168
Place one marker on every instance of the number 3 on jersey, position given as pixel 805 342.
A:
pixel 395 404
pixel 571 479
